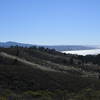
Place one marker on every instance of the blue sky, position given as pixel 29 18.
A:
pixel 50 22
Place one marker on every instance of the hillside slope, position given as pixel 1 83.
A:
pixel 24 69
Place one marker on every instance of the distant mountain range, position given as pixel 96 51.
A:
pixel 10 43
pixel 56 47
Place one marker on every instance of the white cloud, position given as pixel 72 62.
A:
pixel 84 52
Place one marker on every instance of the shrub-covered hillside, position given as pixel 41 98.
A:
pixel 45 73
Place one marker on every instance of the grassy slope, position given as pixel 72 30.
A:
pixel 21 77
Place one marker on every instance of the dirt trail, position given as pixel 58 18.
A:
pixel 37 66
pixel 59 68
pixel 26 62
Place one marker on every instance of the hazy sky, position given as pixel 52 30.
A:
pixel 50 21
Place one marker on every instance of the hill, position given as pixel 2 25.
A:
pixel 38 69
pixel 56 47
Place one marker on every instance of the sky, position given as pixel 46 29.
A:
pixel 50 22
